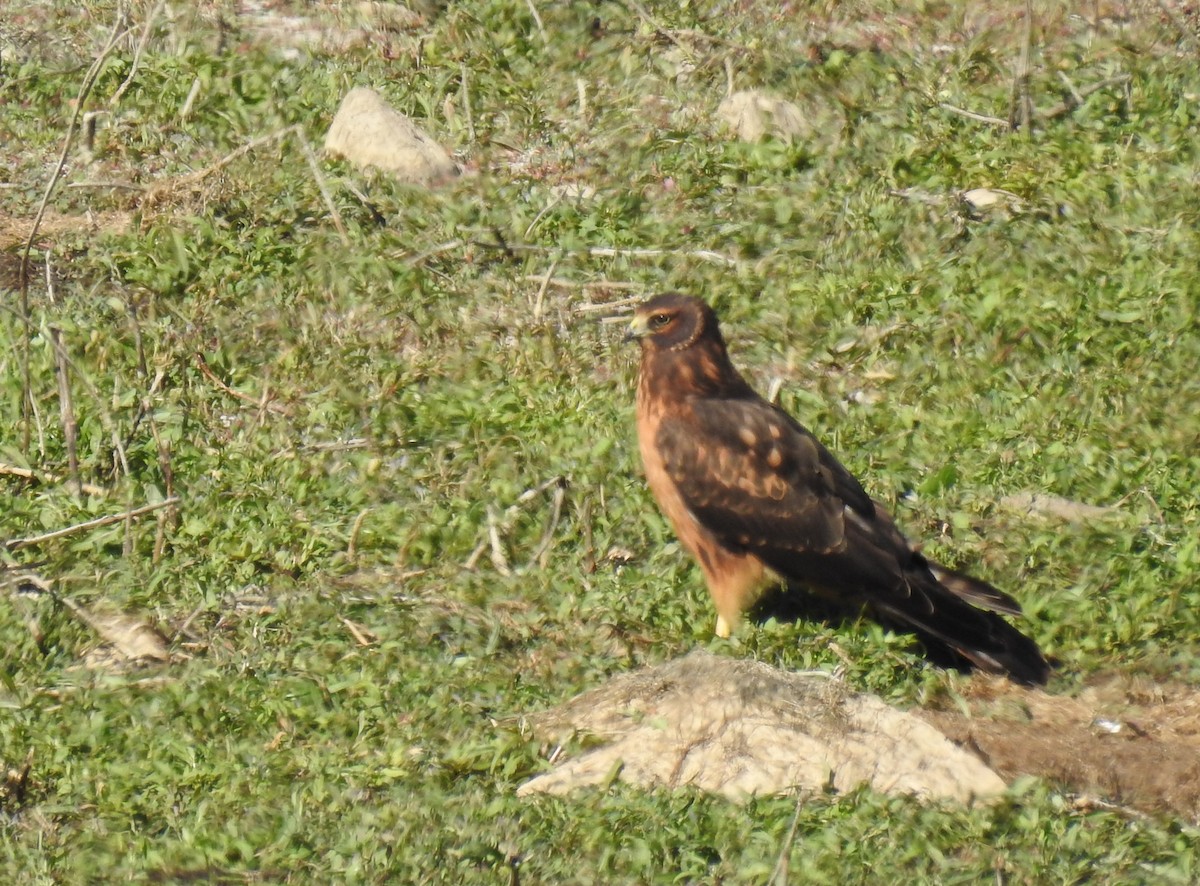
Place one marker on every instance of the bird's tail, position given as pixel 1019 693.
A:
pixel 940 611
pixel 975 591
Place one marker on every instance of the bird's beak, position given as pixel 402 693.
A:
pixel 638 327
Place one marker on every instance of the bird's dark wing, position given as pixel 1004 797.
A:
pixel 762 484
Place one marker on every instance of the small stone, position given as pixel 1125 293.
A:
pixel 368 132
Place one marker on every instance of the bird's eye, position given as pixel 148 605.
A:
pixel 658 321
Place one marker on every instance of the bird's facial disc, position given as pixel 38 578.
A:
pixel 652 322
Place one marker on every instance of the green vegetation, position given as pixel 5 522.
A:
pixel 344 419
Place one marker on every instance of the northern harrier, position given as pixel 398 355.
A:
pixel 755 499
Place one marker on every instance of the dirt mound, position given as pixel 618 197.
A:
pixel 741 728
pixel 738 727
pixel 1123 740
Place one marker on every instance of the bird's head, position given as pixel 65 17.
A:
pixel 672 322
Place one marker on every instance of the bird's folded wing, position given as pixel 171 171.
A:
pixel 756 479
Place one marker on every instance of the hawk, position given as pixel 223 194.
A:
pixel 756 499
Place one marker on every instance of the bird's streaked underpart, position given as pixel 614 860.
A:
pixel 756 499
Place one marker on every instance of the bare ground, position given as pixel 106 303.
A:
pixel 1124 740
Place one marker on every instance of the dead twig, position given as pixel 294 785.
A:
pixel 564 283
pixel 352 545
pixel 465 92
pixel 15 544
pixel 1020 111
pixel 1051 113
pixel 200 175
pixel 613 252
pixel 315 168
pixel 971 115
pixel 361 635
pixel 647 18
pixel 89 80
pixel 193 93
pixel 1078 96
pixel 497 523
pixel 137 54
pixel 1188 33
pixel 260 402
pixel 498 558
pixel 779 876
pixel 45 478
pixel 422 257
pixel 541 553
pixel 541 293
pixel 537 20
pixel 609 306
pixel 66 406
pixel 116 186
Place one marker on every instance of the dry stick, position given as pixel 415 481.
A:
pixel 589 544
pixel 613 252
pixel 774 390
pixel 473 560
pixel 64 361
pixel 498 558
pixel 495 524
pixel 564 283
pixel 137 54
pixel 537 20
pixel 15 544
pixel 66 406
pixel 187 623
pixel 1191 36
pixel 203 366
pixel 703 254
pixel 611 305
pixel 163 448
pixel 1064 108
pixel 319 177
pixel 542 213
pixel 541 553
pixel 982 118
pixel 779 876
pixel 1051 113
pixel 360 636
pixel 421 257
pixel 120 186
pixel 186 110
pixel 1021 104
pixel 1067 82
pixel 89 80
pixel 201 174
pixel 352 545
pixel 644 14
pixel 465 91
pixel 47 478
pixel 541 294
pixel 166 468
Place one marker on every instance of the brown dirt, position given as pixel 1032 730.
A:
pixel 15 231
pixel 1123 740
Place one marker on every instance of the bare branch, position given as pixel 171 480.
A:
pixel 15 544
